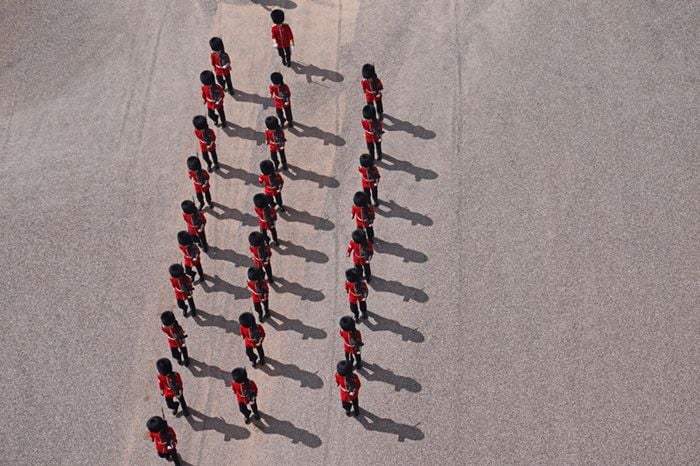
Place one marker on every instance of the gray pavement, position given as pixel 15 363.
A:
pixel 536 291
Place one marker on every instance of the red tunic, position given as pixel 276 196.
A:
pixel 170 388
pixel 191 227
pixel 191 255
pixel 182 287
pixel 348 393
pixel 352 341
pixel 370 177
pixel 213 103
pixel 282 35
pixel 372 95
pixel 176 336
pixel 360 256
pixel 162 446
pixel 364 216
pixel 275 141
pixel 373 130
pixel 245 392
pixel 353 296
pixel 281 102
pixel 259 291
pixel 266 220
pixel 272 184
pixel 211 135
pixel 200 178
pixel 261 255
pixel 248 339
pixel 219 69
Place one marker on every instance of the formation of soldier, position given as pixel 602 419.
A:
pixel 193 240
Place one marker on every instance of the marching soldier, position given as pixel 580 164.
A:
pixel 221 63
pixel 373 130
pixel 190 254
pixel 165 439
pixel 246 393
pixel 176 338
pixel 352 341
pixel 272 183
pixel 182 285
pixel 362 251
pixel 170 384
pixel 282 37
pixel 267 215
pixel 253 335
pixel 370 177
pixel 282 96
pixel 259 292
pixel 213 96
pixel 357 291
pixel 372 86
pixel 200 178
pixel 349 384
pixel 196 223
pixel 275 139
pixel 260 248
pixel 363 213
pixel 207 141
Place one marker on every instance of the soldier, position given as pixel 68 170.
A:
pixel 363 213
pixel 267 215
pixel 182 285
pixel 164 437
pixel 370 177
pixel 282 37
pixel 275 139
pixel 282 96
pixel 272 182
pixel 373 131
pixel 246 393
pixel 259 292
pixel 190 254
pixel 221 63
pixel 362 251
pixel 196 223
pixel 352 341
pixel 253 335
pixel 176 338
pixel 207 141
pixel 372 86
pixel 213 96
pixel 170 384
pixel 200 178
pixel 349 384
pixel 260 248
pixel 357 291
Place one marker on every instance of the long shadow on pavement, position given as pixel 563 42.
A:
pixel 282 285
pixel 371 421
pixel 274 368
pixel 228 172
pixel 226 213
pixel 396 249
pixel 400 125
pixel 391 163
pixel 229 255
pixel 215 284
pixel 295 325
pixel 235 131
pixel 376 372
pixel 199 421
pixel 275 426
pixel 303 131
pixel 407 292
pixel 269 5
pixel 202 369
pixel 204 319
pixel 389 325
pixel 302 216
pixel 312 71
pixel 245 97
pixel 288 248
pixel 298 173
pixel 392 209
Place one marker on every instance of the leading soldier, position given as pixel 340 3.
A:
pixel 246 393
pixel 164 437
pixel 253 336
pixel 221 63
pixel 282 37
pixel 349 384
pixel 213 96
pixel 170 384
pixel 176 337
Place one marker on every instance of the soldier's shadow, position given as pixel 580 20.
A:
pixel 295 325
pixel 298 173
pixel 214 283
pixel 287 248
pixel 406 292
pixel 235 131
pixel 229 255
pixel 302 216
pixel 282 285
pixel 228 172
pixel 273 426
pixel 312 71
pixel 244 97
pixel 392 209
pixel 199 421
pixel 396 249
pixel 372 422
pixel 201 369
pixel 222 212
pixel 390 163
pixel 400 125
pixel 275 368
pixel 373 372
pixel 204 319
pixel 389 325
pixel 302 131
pixel 269 5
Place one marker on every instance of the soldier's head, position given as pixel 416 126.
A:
pixel 256 274
pixel 352 276
pixel 272 122
pixel 256 239
pixel 359 236
pixel 167 318
pixel 276 78
pixel 368 112
pixel 206 77
pixel 246 319
pixel 267 167
pixel 239 375
pixel 368 71
pixel 184 238
pixel 193 163
pixel 176 270
pixel 346 323
pixel 260 201
pixel 360 199
pixel 277 16
pixel 216 44
pixel 156 424
pixel 200 122
pixel 366 161
pixel 344 368
pixel 164 366
pixel 188 207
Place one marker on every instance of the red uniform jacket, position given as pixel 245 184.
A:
pixel 355 295
pixel 275 139
pixel 361 255
pixel 352 341
pixel 372 94
pixel 219 68
pixel 192 228
pixel 261 255
pixel 370 177
pixel 246 392
pixel 276 93
pixel 364 216
pixel 211 137
pixel 259 291
pixel 213 101
pixel 349 387
pixel 182 287
pixel 170 385
pixel 373 130
pixel 250 340
pixel 282 35
pixel 191 255
pixel 176 336
pixel 266 217
pixel 200 178
pixel 272 184
pixel 163 446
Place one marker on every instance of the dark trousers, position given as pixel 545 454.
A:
pixel 171 456
pixel 283 156
pixel 259 309
pixel 286 54
pixel 371 146
pixel 191 272
pixel 273 232
pixel 370 233
pixel 368 271
pixel 362 308
pixel 214 157
pixel 181 355
pixel 182 305
pixel 201 239
pixel 222 115
pixel 243 408
pixel 277 200
pixel 353 357
pixel 379 106
pixel 225 81
pixel 200 198
pixel 355 404
pixel 281 115
pixel 172 404
pixel 372 193
pixel 251 354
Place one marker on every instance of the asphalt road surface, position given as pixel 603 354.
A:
pixel 536 291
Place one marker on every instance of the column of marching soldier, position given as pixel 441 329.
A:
pixel 265 206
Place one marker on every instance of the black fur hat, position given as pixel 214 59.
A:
pixel 368 71
pixel 256 238
pixel 184 238
pixel 167 318
pixel 176 270
pixel 239 375
pixel 206 77
pixel 352 276
pixel 246 319
pixel 188 207
pixel 255 274
pixel 200 122
pixel 272 122
pixel 164 366
pixel 156 424
pixel 277 16
pixel 216 44
pixel 276 78
pixel 344 368
pixel 368 112
pixel 366 161
pixel 346 323
pixel 193 163
pixel 267 167
pixel 360 199
pixel 260 200
pixel 359 236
